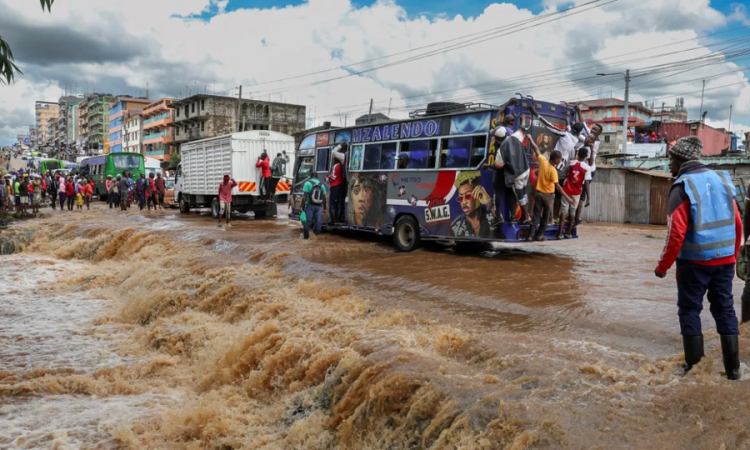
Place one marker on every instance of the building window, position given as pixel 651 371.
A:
pixel 178 131
pixel 606 139
pixel 192 109
pixel 178 111
pixel 203 105
pixel 203 126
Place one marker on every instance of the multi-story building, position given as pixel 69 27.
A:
pixel 676 113
pixel 52 132
pixel 96 121
pixel 132 132
pixel 64 122
pixel 122 106
pixel 203 116
pixel 157 129
pixel 44 112
pixel 610 113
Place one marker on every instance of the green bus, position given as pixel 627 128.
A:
pixel 111 164
pixel 50 165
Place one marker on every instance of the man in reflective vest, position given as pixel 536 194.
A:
pixel 704 235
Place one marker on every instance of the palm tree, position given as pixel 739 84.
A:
pixel 8 69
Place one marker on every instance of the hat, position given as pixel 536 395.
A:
pixel 501 132
pixel 576 128
pixel 688 148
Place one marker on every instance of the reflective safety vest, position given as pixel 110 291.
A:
pixel 711 230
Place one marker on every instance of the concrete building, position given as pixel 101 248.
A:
pixel 610 113
pixel 371 118
pixel 202 116
pixel 122 106
pixel 64 122
pixel 44 112
pixel 95 119
pixel 132 135
pixel 52 132
pixel 158 130
pixel 676 113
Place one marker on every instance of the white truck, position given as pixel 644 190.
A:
pixel 204 163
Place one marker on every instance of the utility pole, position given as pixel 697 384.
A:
pixel 370 113
pixel 389 107
pixel 729 128
pixel 702 92
pixel 627 112
pixel 239 101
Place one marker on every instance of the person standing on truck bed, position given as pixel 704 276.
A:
pixel 278 169
pixel 315 205
pixel 265 172
pixel 225 198
pixel 704 236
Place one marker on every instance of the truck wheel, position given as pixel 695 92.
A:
pixel 184 206
pixel 406 234
pixel 215 208
pixel 260 214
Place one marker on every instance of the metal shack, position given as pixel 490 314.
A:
pixel 627 195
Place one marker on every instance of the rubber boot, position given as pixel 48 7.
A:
pixel 730 353
pixel 693 346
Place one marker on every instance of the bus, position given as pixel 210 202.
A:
pixel 50 165
pixel 429 177
pixel 111 164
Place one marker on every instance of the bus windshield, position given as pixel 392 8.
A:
pixel 305 169
pixel 126 162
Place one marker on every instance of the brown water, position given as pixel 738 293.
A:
pixel 156 330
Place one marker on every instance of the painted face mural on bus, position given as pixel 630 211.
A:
pixel 478 219
pixel 367 198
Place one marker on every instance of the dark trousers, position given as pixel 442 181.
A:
pixel 313 213
pixel 542 209
pixel 53 198
pixel 693 280
pixel 338 196
pixel 71 201
pixel 510 204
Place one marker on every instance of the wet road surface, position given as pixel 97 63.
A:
pixel 161 330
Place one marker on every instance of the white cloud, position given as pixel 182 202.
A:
pixel 166 50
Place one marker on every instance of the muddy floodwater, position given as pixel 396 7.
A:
pixel 156 330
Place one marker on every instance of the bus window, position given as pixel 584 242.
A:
pixel 323 154
pixel 388 156
pixel 127 162
pixel 355 161
pixel 417 154
pixel 380 156
pixel 463 152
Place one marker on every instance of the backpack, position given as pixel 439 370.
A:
pixel 317 195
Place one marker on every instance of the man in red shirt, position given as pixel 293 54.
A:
pixel 338 191
pixel 704 235
pixel 265 171
pixel 225 198
pixel 150 191
pixel 161 189
pixel 574 186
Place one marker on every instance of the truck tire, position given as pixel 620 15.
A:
pixel 215 208
pixel 184 205
pixel 260 214
pixel 406 234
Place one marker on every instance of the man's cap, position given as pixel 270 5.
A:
pixel 109 176
pixel 688 148
pixel 501 132
pixel 226 177
pixel 577 127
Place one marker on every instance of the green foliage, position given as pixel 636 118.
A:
pixel 174 160
pixel 8 68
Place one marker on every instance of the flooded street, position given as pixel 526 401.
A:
pixel 161 331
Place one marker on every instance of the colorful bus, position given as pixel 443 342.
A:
pixel 50 165
pixel 111 164
pixel 429 177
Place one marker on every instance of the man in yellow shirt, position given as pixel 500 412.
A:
pixel 544 197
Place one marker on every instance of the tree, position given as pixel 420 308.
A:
pixel 8 68
pixel 174 160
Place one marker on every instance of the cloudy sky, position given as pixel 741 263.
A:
pixel 336 55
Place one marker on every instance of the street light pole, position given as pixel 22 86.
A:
pixel 627 112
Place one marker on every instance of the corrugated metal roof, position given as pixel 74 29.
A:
pixel 651 173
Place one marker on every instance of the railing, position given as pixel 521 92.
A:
pixel 155 152
pixel 154 119
pixel 154 135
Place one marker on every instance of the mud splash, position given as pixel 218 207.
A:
pixel 229 349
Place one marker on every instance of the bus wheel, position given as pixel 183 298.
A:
pixel 215 208
pixel 184 206
pixel 406 234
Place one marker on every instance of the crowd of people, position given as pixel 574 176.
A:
pixel 26 192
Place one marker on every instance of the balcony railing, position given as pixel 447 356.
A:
pixel 155 135
pixel 156 118
pixel 155 152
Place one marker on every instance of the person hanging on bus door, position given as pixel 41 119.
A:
pixel 338 190
pixel 517 171
pixel 339 154
pixel 498 172
pixel 278 170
